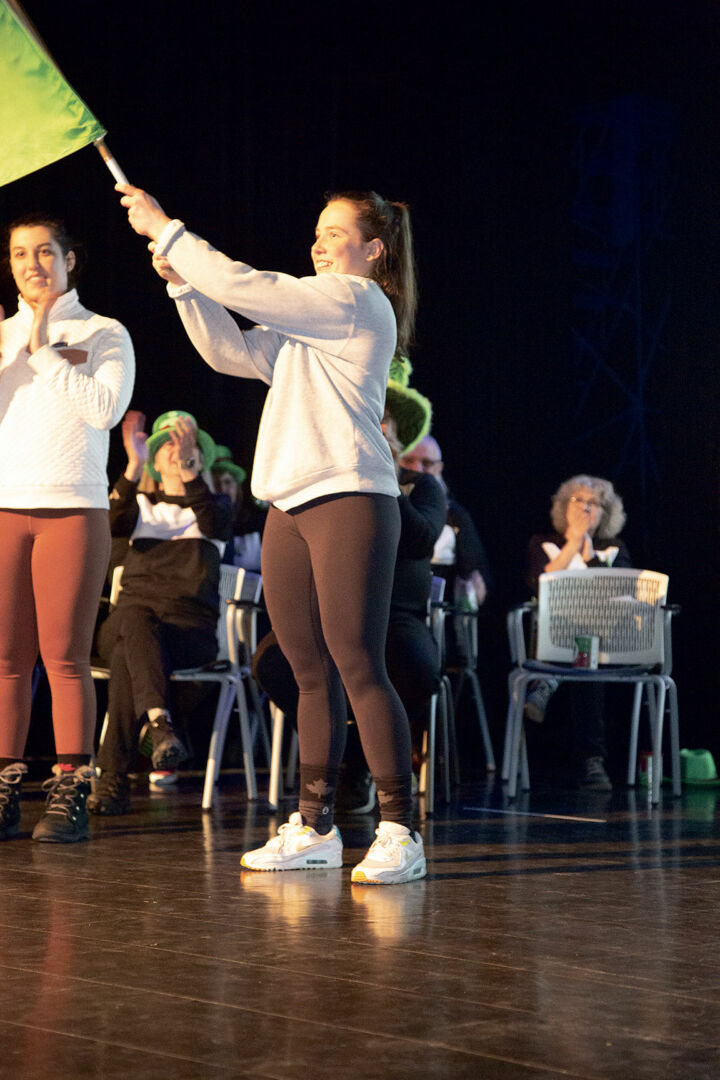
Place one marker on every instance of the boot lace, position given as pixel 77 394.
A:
pixel 67 791
pixel 10 778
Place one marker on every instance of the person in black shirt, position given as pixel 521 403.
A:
pixel 167 612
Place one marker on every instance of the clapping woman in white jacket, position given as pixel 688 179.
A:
pixel 66 377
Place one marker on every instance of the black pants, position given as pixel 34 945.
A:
pixel 327 577
pixel 142 649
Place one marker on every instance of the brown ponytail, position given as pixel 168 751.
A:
pixel 394 271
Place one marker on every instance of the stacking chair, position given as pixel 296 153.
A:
pixel 626 610
pixel 239 596
pixel 466 630
pixel 441 707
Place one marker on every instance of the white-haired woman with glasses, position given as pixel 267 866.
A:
pixel 587 515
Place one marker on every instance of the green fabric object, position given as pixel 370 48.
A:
pixel 411 410
pixel 41 117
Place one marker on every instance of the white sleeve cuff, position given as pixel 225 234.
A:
pixel 167 236
pixel 175 291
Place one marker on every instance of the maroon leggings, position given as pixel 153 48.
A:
pixel 327 576
pixel 52 568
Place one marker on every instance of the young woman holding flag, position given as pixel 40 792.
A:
pixel 323 345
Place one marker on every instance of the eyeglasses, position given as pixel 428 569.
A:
pixel 589 504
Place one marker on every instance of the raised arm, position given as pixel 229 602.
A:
pixel 320 311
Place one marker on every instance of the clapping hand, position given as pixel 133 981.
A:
pixel 183 441
pixel 41 311
pixel 134 439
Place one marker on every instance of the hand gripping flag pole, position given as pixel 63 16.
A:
pixel 41 117
pixel 110 161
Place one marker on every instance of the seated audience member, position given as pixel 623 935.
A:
pixel 587 515
pixel 248 518
pixel 411 653
pixel 459 555
pixel 167 612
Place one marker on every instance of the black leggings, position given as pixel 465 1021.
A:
pixel 327 576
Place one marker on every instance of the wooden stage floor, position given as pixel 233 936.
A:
pixel 564 936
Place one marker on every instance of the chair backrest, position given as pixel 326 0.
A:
pixel 623 608
pixel 246 617
pixel 229 588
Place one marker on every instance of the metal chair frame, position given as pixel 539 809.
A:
pixel 240 593
pixel 652 676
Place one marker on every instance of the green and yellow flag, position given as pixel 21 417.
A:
pixel 41 117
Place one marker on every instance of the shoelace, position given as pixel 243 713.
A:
pixel 10 777
pixel 63 792
pixel 285 833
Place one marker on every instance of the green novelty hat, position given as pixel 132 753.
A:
pixel 411 411
pixel 161 433
pixel 224 463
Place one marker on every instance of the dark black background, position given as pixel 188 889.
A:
pixel 239 117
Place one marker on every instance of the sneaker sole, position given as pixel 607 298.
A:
pixel 301 861
pixel 61 839
pixel 393 877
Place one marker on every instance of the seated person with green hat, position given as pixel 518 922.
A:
pixel 167 611
pixel 248 517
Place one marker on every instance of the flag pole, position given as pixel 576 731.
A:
pixel 109 160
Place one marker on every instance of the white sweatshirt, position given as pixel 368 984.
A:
pixel 324 347
pixel 58 405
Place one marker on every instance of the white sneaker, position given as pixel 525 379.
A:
pixel 163 777
pixel 396 856
pixel 297 847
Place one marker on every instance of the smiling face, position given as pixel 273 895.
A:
pixel 37 263
pixel 339 246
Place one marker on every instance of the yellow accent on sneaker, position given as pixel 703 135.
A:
pixel 396 856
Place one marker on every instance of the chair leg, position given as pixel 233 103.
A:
pixel 515 726
pixel 674 736
pixel 259 712
pixel 452 731
pixel 427 770
pixel 445 732
pixel 217 742
pixel 248 759
pixel 634 729
pixel 657 739
pixel 524 767
pixel 482 720
pixel 275 792
pixel 103 729
pixel 507 746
